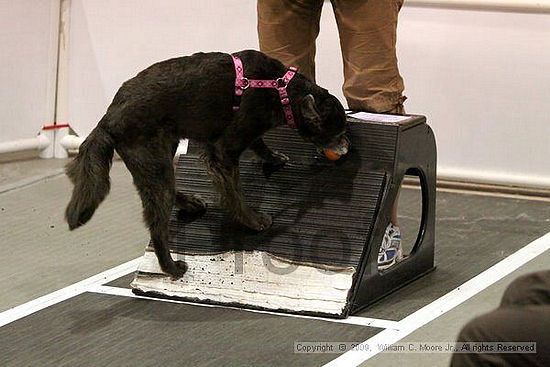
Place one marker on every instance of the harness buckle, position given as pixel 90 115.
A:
pixel 281 83
pixel 245 83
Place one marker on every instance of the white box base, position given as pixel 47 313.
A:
pixel 256 279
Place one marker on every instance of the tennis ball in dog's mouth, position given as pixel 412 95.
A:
pixel 331 155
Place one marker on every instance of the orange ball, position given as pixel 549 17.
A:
pixel 331 155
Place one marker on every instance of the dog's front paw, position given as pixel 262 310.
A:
pixel 189 203
pixel 190 207
pixel 277 159
pixel 259 222
pixel 275 162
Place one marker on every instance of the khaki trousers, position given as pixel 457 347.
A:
pixel 288 29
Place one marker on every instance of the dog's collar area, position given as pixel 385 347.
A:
pixel 242 83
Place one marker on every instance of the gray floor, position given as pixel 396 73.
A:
pixel 446 327
pixel 91 328
pixel 17 174
pixel 40 256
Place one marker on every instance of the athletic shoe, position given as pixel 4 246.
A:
pixel 390 251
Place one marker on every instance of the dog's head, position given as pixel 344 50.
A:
pixel 324 123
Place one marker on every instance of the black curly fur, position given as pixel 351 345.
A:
pixel 192 97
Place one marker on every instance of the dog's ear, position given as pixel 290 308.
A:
pixel 309 112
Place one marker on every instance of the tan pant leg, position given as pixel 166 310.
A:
pixel 368 32
pixel 287 30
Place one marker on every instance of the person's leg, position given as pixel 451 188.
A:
pixel 287 31
pixel 368 34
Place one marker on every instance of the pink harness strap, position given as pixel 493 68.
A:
pixel 242 83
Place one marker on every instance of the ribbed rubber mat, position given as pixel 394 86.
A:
pixel 322 211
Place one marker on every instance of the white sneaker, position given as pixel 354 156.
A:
pixel 390 251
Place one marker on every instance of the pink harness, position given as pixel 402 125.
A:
pixel 242 83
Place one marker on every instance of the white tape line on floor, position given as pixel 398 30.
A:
pixel 352 320
pixel 369 348
pixel 63 294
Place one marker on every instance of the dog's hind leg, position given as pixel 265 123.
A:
pixel 153 173
pixel 191 207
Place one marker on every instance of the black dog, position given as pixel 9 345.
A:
pixel 193 97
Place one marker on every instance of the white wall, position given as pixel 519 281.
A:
pixel 483 80
pixel 480 76
pixel 113 40
pixel 28 51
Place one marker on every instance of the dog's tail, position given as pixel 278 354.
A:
pixel 89 172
